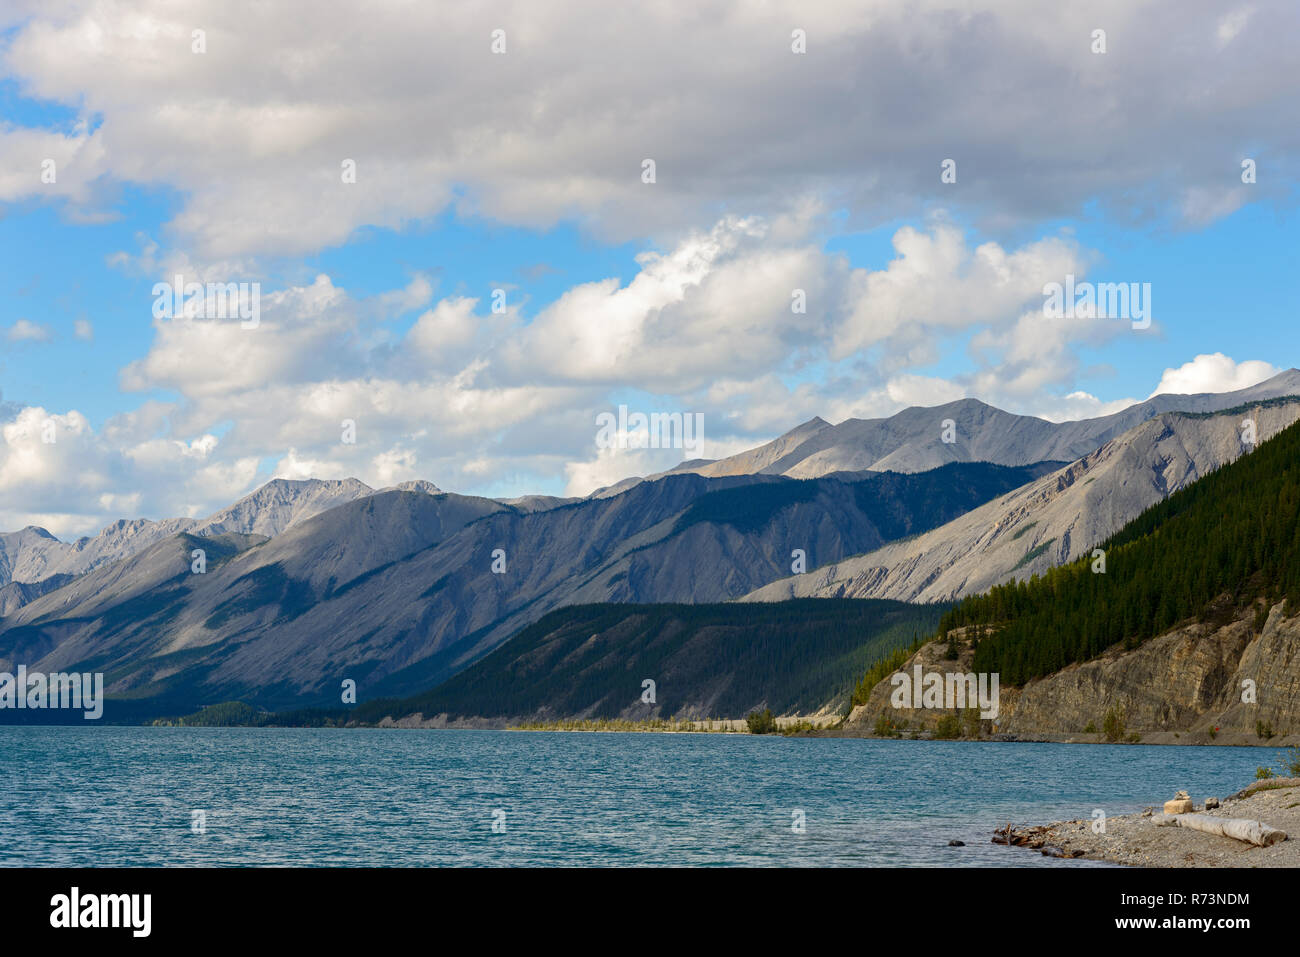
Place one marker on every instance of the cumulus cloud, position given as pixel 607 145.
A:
pixel 56 471
pixel 1214 372
pixel 325 386
pixel 328 385
pixel 254 132
pixel 24 330
pixel 754 147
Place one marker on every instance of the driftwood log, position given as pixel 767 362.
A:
pixel 1237 828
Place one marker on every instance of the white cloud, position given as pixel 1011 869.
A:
pixel 477 401
pixel 252 133
pixel 81 480
pixel 24 330
pixel 1232 24
pixel 417 293
pixel 1214 372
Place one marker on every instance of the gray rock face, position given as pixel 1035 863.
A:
pixel 280 504
pixel 33 554
pixel 1046 523
pixel 764 457
pixel 415 485
pixel 1188 680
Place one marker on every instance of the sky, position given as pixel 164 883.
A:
pixel 475 229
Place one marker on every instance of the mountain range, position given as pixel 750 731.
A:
pixel 912 440
pixel 1050 521
pixel 307 584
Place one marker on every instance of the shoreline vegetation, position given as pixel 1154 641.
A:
pixel 237 714
pixel 954 727
pixel 757 722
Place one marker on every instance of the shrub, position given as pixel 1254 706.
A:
pixel 1263 774
pixel 885 727
pixel 799 727
pixel 948 728
pixel 1290 762
pixel 761 722
pixel 1112 726
pixel 1090 728
pixel 1264 729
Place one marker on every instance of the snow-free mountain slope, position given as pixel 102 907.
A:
pixel 1047 522
pixel 913 439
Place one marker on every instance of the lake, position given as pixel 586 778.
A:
pixel 128 796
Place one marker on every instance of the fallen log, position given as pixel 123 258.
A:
pixel 1237 828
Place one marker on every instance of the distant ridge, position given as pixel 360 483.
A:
pixel 1050 521
pixel 910 440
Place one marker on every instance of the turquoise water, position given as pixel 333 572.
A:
pixel 124 796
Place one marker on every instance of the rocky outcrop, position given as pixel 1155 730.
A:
pixel 1201 682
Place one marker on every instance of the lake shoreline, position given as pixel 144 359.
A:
pixel 786 726
pixel 1135 840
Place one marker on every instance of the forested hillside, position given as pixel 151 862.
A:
pixel 1204 553
pixel 717 659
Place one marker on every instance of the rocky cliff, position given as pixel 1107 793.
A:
pixel 1230 682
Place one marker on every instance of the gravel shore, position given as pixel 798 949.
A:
pixel 1135 839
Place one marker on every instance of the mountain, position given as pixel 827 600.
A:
pixel 280 504
pixel 912 440
pixel 1047 522
pixel 1192 628
pixel 414 485
pixel 591 661
pixel 16 594
pixel 398 591
pixel 310 584
pixel 728 540
pixel 761 459
pixel 160 630
pixel 33 554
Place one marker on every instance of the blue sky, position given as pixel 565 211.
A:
pixel 1219 288
pixel 523 173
